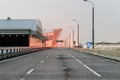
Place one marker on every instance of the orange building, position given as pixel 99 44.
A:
pixel 52 37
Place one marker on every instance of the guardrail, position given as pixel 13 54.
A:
pixel 6 53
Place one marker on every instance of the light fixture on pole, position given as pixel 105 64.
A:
pixel 72 36
pixel 77 32
pixel 92 22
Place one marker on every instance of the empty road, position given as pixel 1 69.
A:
pixel 59 64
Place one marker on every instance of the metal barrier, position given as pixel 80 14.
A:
pixel 10 52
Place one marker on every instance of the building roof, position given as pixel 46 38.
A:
pixel 21 26
pixel 31 24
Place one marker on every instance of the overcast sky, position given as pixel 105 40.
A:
pixel 59 14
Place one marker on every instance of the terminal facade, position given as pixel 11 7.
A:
pixel 21 33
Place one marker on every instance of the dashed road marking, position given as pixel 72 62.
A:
pixel 10 59
pixel 22 79
pixel 42 61
pixel 30 71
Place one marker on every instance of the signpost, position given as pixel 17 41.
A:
pixel 89 45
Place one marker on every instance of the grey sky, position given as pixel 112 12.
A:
pixel 59 13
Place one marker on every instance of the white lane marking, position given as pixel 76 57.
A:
pixel 46 57
pixel 42 61
pixel 68 79
pixel 22 79
pixel 30 71
pixel 78 61
pixel 90 69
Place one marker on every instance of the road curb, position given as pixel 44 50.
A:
pixel 96 54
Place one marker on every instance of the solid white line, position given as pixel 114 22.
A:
pixel 30 71
pixel 87 67
pixel 92 70
pixel 78 61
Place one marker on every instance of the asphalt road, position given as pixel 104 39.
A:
pixel 59 64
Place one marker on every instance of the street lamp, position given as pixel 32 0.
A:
pixel 78 31
pixel 68 40
pixel 92 21
pixel 72 35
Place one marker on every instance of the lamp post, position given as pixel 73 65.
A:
pixel 72 35
pixel 92 21
pixel 77 32
pixel 69 40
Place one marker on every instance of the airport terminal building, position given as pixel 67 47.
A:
pixel 21 33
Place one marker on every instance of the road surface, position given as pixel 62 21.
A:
pixel 59 64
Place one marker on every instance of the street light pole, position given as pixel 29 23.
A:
pixel 93 39
pixel 78 34
pixel 78 31
pixel 72 36
pixel 69 40
pixel 93 27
